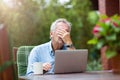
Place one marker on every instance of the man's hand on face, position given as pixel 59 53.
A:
pixel 46 66
pixel 64 35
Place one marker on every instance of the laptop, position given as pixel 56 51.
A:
pixel 70 61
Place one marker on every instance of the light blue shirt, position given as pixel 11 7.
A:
pixel 41 53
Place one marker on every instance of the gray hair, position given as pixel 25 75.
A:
pixel 53 26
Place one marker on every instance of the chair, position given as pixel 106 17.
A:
pixel 22 59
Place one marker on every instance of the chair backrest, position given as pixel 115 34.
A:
pixel 22 59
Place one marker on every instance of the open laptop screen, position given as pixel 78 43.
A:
pixel 69 61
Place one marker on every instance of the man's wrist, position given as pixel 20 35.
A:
pixel 69 45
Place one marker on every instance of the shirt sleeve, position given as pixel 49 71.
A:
pixel 31 59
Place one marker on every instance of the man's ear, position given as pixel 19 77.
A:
pixel 51 35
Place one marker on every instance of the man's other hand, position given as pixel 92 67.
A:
pixel 46 66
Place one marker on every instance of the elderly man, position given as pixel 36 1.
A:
pixel 60 40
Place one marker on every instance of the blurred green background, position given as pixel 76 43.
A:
pixel 28 23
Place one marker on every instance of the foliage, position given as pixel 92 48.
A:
pixel 106 33
pixel 29 20
pixel 94 65
pixel 93 17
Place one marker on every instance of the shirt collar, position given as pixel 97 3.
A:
pixel 51 49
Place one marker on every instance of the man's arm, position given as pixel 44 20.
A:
pixel 35 57
pixel 31 59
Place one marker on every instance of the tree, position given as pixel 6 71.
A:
pixel 29 21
